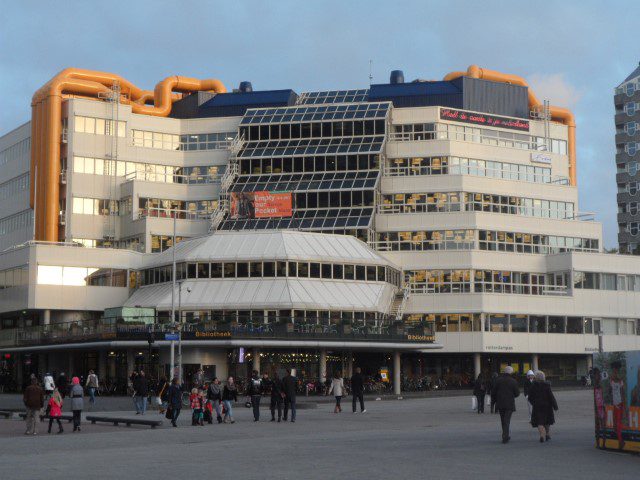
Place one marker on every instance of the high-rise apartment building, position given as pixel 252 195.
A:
pixel 627 118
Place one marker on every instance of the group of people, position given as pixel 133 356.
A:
pixel 504 390
pixel 35 399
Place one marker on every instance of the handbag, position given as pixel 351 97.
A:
pixel 169 414
pixel 474 403
pixel 158 401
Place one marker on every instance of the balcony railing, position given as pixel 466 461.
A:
pixel 283 329
pixel 171 213
pixel 172 178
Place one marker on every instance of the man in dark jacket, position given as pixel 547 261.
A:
pixel 141 392
pixel 34 401
pixel 289 386
pixel 174 397
pixel 357 390
pixel 505 392
pixel 275 389
pixel 254 391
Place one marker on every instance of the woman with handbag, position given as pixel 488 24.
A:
pixel 337 388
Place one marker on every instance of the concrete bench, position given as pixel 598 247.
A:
pixel 67 417
pixel 127 421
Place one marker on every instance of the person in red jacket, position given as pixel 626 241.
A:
pixel 55 410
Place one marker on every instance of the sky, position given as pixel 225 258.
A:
pixel 573 53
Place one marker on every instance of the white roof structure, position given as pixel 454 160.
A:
pixel 269 293
pixel 271 245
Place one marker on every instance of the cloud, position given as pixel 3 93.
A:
pixel 555 88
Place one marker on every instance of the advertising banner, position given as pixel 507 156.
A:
pixel 474 118
pixel 616 395
pixel 261 205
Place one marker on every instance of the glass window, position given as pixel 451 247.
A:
pixel 242 269
pixel 303 269
pixel 537 324
pixel 191 270
pixel 229 270
pixel 337 271
pixel 360 272
pixel 216 270
pixel 315 270
pixel 269 269
pixel 255 269
pixel 518 323
pixel 326 270
pixel 349 272
pixel 556 324
pixel 574 325
pixel 371 273
pixel 293 269
pixel 203 270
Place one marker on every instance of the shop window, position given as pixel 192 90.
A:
pixel 518 323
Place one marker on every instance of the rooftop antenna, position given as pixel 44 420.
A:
pixel 370 72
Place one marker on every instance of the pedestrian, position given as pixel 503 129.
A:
pixel 337 388
pixel 254 392
pixel 229 393
pixel 55 410
pixel 480 390
pixel 214 395
pixel 357 390
pixel 277 397
pixel 174 401
pixel 63 384
pixel 49 386
pixel 77 402
pixel 289 386
pixel 543 404
pixel 505 392
pixel 92 388
pixel 140 393
pixel 492 383
pixel 163 395
pixel 33 399
pixel 197 407
pixel 528 383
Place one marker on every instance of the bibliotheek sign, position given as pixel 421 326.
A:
pixel 463 116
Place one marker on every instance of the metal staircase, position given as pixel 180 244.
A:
pixel 396 310
pixel 230 175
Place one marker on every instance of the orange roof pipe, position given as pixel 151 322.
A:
pixel 46 120
pixel 559 114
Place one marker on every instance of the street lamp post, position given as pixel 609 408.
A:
pixel 172 365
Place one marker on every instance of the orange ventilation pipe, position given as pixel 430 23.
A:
pixel 558 114
pixel 46 121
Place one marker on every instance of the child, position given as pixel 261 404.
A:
pixel 55 410
pixel 196 398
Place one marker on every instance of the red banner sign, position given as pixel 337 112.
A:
pixel 261 205
pixel 463 116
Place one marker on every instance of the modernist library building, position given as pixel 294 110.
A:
pixel 423 228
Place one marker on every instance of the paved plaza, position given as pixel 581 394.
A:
pixel 417 438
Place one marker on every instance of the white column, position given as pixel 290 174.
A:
pixel 102 365
pixel 589 362
pixel 477 364
pixel 534 362
pixel 322 371
pixel 396 373
pixel 131 364
pixel 46 317
pixel 256 359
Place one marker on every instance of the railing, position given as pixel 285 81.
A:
pixel 291 329
pixel 172 178
pixel 465 137
pixel 171 213
pixel 502 289
pixel 418 170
